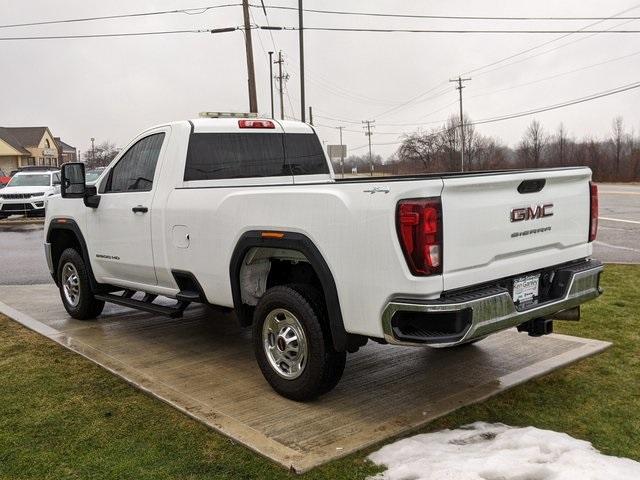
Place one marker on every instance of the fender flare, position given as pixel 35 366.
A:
pixel 62 223
pixel 301 243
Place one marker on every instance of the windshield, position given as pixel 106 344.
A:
pixel 41 180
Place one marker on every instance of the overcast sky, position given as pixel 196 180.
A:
pixel 111 88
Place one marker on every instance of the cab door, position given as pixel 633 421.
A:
pixel 120 228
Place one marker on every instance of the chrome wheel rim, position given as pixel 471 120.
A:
pixel 70 284
pixel 284 343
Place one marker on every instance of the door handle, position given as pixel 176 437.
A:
pixel 139 209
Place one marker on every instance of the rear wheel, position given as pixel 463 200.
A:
pixel 293 345
pixel 75 289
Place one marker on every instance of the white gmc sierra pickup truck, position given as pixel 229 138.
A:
pixel 245 214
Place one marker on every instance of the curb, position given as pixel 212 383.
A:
pixel 22 221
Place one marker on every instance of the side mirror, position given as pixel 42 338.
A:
pixel 72 184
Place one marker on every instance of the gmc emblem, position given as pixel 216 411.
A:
pixel 531 213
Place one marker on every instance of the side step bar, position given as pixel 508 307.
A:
pixel 146 304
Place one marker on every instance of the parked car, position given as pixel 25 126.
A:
pixel 92 175
pixel 246 214
pixel 27 192
pixel 4 179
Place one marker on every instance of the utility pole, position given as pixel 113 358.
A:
pixel 310 115
pixel 253 98
pixel 459 81
pixel 368 133
pixel 301 41
pixel 281 79
pixel 93 152
pixel 341 152
pixel 271 81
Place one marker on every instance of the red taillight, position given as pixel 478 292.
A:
pixel 419 224
pixel 593 219
pixel 256 124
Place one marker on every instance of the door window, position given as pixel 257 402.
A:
pixel 135 170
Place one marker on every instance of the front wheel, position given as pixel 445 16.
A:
pixel 293 345
pixel 75 289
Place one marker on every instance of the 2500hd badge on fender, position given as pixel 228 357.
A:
pixel 246 214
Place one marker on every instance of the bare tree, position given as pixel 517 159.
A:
pixel 439 151
pixel 450 141
pixel 617 138
pixel 533 144
pixel 471 144
pixel 101 156
pixel 561 143
pixel 421 147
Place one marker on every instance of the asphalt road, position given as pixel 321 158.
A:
pixel 618 238
pixel 22 259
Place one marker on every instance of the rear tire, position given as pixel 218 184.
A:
pixel 292 343
pixel 75 288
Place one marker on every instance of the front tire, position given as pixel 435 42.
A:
pixel 75 288
pixel 293 345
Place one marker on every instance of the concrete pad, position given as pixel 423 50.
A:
pixel 203 365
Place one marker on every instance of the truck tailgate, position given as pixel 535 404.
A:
pixel 498 225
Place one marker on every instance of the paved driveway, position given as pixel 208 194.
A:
pixel 203 365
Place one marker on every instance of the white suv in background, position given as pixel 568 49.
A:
pixel 27 192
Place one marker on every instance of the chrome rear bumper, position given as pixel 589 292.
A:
pixel 492 309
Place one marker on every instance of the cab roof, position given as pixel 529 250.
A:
pixel 228 125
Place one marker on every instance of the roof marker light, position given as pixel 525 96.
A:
pixel 228 115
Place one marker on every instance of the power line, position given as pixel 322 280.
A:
pixel 544 52
pixel 409 124
pixel 354 131
pixel 342 93
pixel 323 83
pixel 550 77
pixel 187 11
pixel 204 9
pixel 338 119
pixel 454 31
pixel 415 98
pixel 535 47
pixel 126 34
pixel 568 103
pixel 594 96
pixel 442 17
pixel 514 55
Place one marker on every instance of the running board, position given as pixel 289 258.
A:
pixel 146 304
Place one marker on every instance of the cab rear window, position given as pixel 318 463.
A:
pixel 214 156
pixel 304 154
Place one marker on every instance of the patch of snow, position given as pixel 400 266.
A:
pixel 485 451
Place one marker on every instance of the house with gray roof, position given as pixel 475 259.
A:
pixel 24 146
